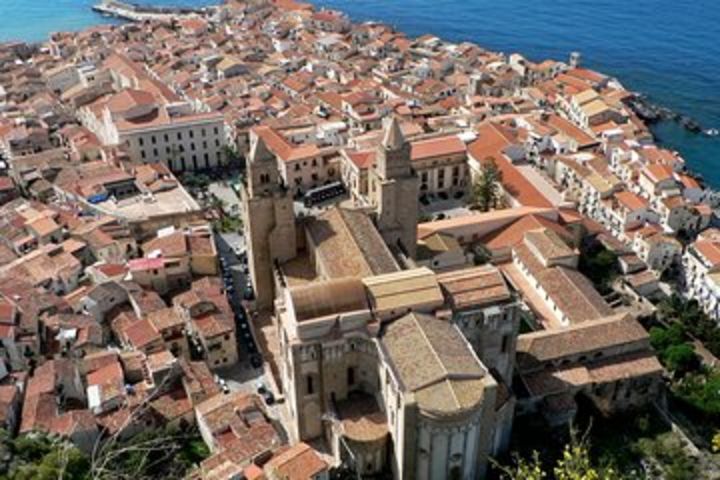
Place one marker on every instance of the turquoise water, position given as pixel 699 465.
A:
pixel 669 49
pixel 33 20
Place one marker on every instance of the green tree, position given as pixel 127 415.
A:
pixel 234 159
pixel 673 349
pixel 701 391
pixel 159 453
pixel 600 266
pixel 63 461
pixel 662 338
pixel 523 469
pixel 574 464
pixel 36 456
pixel 195 181
pixel 680 358
pixel 716 442
pixel 486 191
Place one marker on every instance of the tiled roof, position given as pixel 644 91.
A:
pixel 299 462
pixel 404 290
pixel 571 291
pixel 330 297
pixel 434 362
pixel 583 338
pixel 491 143
pixel 347 244
pixel 437 147
pixel 142 333
pixel 474 287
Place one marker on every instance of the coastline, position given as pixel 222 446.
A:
pixel 269 157
pixel 668 133
pixel 139 12
pixel 675 69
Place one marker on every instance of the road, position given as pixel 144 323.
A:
pixel 224 192
pixel 231 246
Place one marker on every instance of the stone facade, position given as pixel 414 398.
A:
pixel 394 189
pixel 269 220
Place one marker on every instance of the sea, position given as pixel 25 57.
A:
pixel 668 50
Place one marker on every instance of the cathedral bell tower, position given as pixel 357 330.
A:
pixel 394 189
pixel 268 219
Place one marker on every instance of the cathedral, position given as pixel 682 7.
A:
pixel 395 366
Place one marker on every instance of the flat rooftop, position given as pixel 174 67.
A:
pixel 168 202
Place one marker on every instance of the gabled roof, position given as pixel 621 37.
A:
pixel 586 337
pixel 514 233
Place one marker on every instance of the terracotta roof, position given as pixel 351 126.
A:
pixel 437 147
pixel 165 319
pixel 347 244
pixel 172 245
pixel 631 201
pixel 362 159
pixel 582 138
pixel 330 297
pixel 299 462
pixel 710 251
pixel 658 173
pixel 240 427
pixel 491 143
pixel 514 233
pixel 574 295
pixel 142 333
pixel 142 264
pixel 281 147
pixel 584 338
pixel 474 287
pixel 107 374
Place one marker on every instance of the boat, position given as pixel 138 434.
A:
pixel 712 132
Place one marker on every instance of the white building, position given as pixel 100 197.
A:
pixel 157 132
pixel 701 263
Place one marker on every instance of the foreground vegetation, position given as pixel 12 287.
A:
pixel 600 265
pixel 634 446
pixel 154 454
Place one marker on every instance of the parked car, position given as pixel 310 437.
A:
pixel 256 361
pixel 265 393
pixel 249 294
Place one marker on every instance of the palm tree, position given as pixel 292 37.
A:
pixel 486 191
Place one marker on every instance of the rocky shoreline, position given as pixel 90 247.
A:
pixel 652 113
